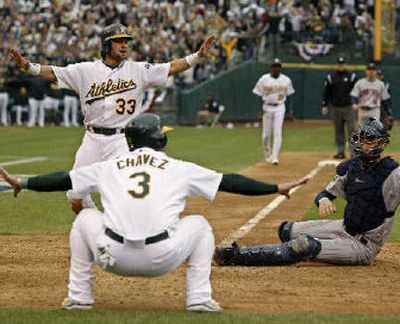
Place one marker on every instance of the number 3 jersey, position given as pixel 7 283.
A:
pixel 111 97
pixel 143 193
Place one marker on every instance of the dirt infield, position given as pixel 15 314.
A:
pixel 34 270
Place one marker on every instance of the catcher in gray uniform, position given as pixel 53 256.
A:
pixel 369 182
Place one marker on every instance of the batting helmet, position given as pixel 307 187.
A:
pixel 373 132
pixel 110 32
pixel 146 131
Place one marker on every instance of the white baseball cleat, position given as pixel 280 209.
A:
pixel 72 304
pixel 275 162
pixel 211 306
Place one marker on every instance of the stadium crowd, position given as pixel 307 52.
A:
pixel 66 31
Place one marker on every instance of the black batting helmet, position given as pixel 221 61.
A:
pixel 373 131
pixel 146 131
pixel 110 32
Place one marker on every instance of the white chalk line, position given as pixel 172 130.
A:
pixel 21 161
pixel 246 228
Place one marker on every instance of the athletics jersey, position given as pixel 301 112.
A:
pixel 273 91
pixel 370 93
pixel 111 97
pixel 154 193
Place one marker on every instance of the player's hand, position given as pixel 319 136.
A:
pixel 18 59
pixel 326 207
pixel 207 44
pixel 325 111
pixel 355 107
pixel 12 180
pixel 284 188
pixel 76 205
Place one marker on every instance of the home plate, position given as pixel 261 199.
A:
pixel 328 163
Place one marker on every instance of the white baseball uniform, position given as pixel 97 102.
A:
pixel 143 194
pixel 110 98
pixel 274 93
pixel 370 95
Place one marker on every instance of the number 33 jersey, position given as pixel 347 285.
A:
pixel 111 97
pixel 143 193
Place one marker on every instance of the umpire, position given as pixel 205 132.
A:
pixel 337 90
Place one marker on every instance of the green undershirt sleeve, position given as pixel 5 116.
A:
pixel 236 183
pixel 56 181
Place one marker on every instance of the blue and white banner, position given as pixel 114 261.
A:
pixel 308 51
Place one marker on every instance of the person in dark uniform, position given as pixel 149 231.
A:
pixel 37 89
pixel 4 99
pixel 337 90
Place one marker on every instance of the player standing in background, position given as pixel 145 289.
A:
pixel 4 99
pixel 369 95
pixel 337 91
pixel 273 88
pixel 140 232
pixel 369 182
pixel 71 104
pixel 387 119
pixel 111 92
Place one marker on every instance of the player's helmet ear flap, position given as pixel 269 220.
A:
pixel 110 32
pixel 146 131
pixel 370 131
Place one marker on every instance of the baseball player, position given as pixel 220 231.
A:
pixel 4 99
pixel 140 232
pixel 369 95
pixel 111 92
pixel 387 119
pixel 71 104
pixel 369 182
pixel 273 88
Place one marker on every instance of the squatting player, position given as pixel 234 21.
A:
pixel 111 91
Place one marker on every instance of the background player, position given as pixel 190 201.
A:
pixel 140 233
pixel 369 182
pixel 274 88
pixel 111 92
pixel 369 95
pixel 337 91
pixel 387 119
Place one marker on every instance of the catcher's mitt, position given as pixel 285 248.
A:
pixel 389 121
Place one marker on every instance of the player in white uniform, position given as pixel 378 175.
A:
pixel 140 232
pixel 111 92
pixel 369 94
pixel 274 88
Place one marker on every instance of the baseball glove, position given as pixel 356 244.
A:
pixel 389 121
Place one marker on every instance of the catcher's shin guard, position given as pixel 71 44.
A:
pixel 300 249
pixel 284 231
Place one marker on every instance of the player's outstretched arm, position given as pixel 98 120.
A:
pixel 236 183
pixel 182 64
pixel 11 180
pixel 284 188
pixel 34 69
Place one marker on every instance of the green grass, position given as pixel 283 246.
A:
pixel 116 317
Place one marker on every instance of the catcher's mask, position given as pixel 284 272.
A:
pixel 146 131
pixel 369 140
pixel 110 32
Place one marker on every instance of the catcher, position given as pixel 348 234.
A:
pixel 369 182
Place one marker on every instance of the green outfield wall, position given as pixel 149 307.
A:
pixel 233 89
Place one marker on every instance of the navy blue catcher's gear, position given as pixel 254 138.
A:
pixel 284 231
pixel 110 32
pixel 146 131
pixel 297 250
pixel 371 130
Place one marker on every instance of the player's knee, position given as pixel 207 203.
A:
pixel 284 231
pixel 304 247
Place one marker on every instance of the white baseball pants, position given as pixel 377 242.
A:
pixel 97 148
pixel 70 108
pixel 35 105
pixel 191 239
pixel 272 125
pixel 4 97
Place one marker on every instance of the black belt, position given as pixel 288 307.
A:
pixel 273 105
pixel 150 240
pixel 105 131
pixel 368 108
